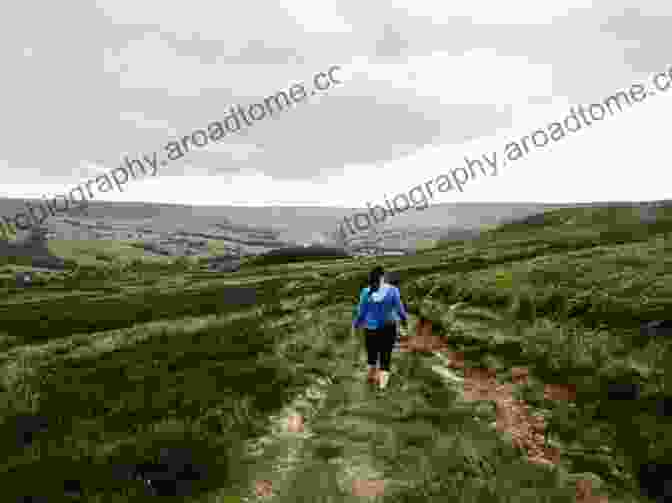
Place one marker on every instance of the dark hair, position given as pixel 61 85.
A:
pixel 392 278
pixel 374 279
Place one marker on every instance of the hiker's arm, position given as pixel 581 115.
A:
pixel 400 307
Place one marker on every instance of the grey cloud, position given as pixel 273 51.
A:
pixel 61 105
pixel 252 51
pixel 651 34
pixel 318 140
pixel 391 42
pixel 619 39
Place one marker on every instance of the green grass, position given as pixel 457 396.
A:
pixel 98 252
pixel 125 356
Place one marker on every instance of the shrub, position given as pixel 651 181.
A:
pixel 6 340
pixel 504 279
pixel 548 345
pixel 432 311
pixel 182 263
pixel 70 263
pixel 525 308
pixel 412 305
pixel 554 304
pixel 272 308
pixel 445 290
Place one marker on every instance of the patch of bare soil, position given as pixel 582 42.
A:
pixel 264 488
pixel 526 430
pixel 368 488
pixel 423 341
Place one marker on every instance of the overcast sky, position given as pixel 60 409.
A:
pixel 425 83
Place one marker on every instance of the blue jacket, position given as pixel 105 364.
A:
pixel 379 308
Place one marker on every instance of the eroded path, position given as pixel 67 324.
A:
pixel 446 427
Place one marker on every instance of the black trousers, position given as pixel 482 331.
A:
pixel 379 344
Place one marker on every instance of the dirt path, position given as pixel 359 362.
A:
pixel 442 429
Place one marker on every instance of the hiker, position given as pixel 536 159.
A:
pixel 376 303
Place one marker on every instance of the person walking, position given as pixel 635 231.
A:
pixel 374 313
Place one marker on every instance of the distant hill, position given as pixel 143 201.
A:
pixel 646 212
pixel 300 254
pixel 180 230
pixel 32 251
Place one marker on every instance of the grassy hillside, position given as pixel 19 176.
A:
pixel 97 252
pixel 100 371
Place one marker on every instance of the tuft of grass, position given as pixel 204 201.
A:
pixel 525 307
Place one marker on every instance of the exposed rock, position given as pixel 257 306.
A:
pixel 655 480
pixel 658 328
pixel 623 391
pixel 27 426
pixel 173 475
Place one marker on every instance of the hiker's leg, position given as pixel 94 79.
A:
pixel 387 335
pixel 387 343
pixel 381 347
pixel 372 352
pixel 397 335
pixel 371 348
